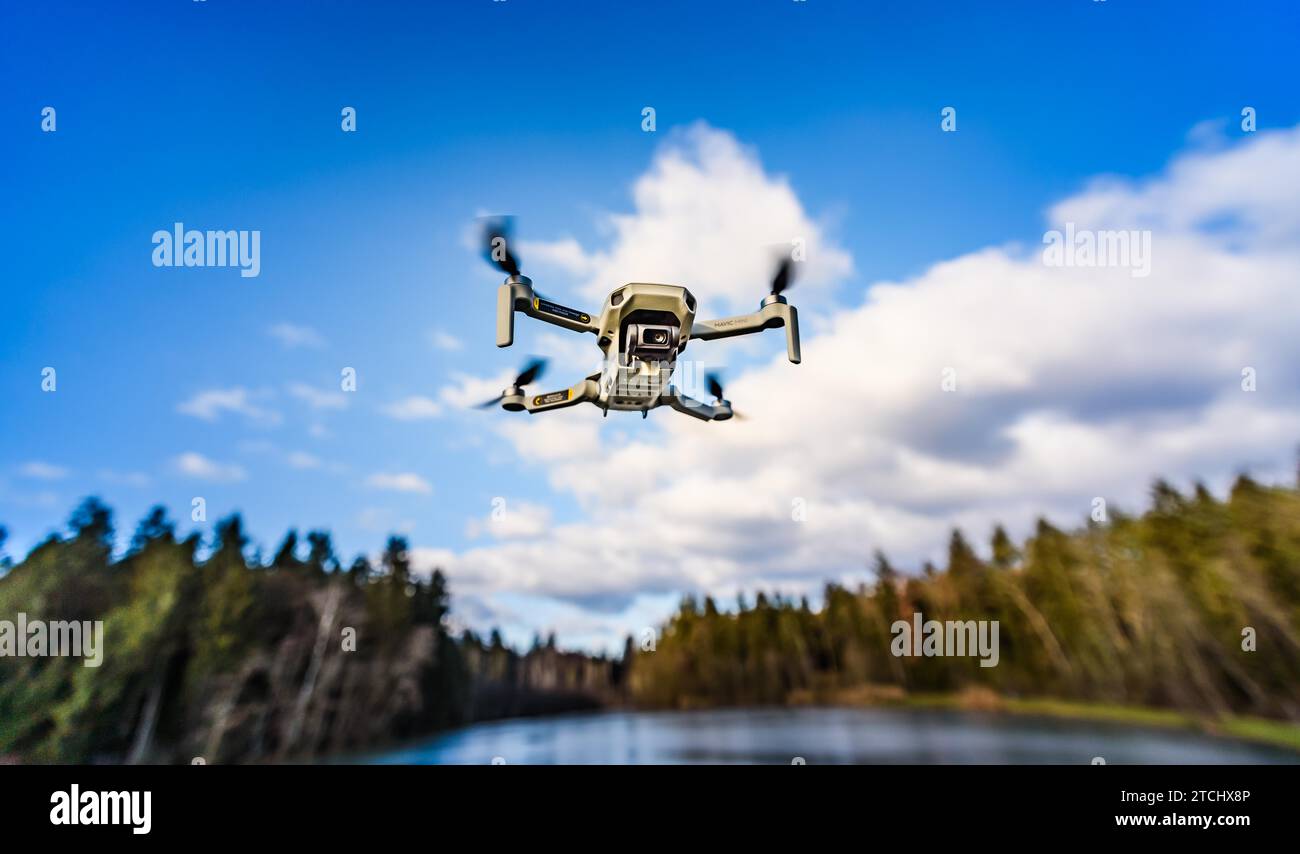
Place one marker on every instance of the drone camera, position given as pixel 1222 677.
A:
pixel 651 341
pixel 654 337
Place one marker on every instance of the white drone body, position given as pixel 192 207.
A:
pixel 642 330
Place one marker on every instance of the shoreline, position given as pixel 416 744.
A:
pixel 1263 731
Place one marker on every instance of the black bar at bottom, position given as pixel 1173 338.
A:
pixel 326 804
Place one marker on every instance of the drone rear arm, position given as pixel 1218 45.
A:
pixel 776 312
pixel 516 294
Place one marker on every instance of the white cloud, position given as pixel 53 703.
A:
pixel 195 465
pixel 413 408
pixel 400 482
pixel 1072 383
pixel 511 520
pixel 42 471
pixel 293 336
pixel 209 405
pixel 318 399
pixel 707 217
pixel 445 341
pixel 566 253
pixel 568 358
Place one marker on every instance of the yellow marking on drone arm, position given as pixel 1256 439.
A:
pixel 553 397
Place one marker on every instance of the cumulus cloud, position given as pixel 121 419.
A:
pixel 511 520
pixel 400 482
pixel 991 387
pixel 210 404
pixel 708 217
pixel 199 467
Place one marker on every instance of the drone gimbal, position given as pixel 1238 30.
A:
pixel 641 330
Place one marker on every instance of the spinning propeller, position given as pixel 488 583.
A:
pixel 532 371
pixel 497 235
pixel 784 277
pixel 714 384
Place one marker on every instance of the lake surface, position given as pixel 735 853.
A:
pixel 819 736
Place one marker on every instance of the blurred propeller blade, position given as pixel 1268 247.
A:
pixel 533 370
pixel 497 235
pixel 714 385
pixel 784 277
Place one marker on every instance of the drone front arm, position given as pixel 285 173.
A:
pixel 587 390
pixel 773 314
pixel 516 294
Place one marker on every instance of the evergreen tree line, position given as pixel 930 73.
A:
pixel 1194 605
pixel 232 659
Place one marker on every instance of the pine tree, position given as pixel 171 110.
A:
pixel 320 556
pixel 227 612
pixel 1005 553
pixel 286 556
pixel 359 572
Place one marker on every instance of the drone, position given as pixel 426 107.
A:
pixel 641 330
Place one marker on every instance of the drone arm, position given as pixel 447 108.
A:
pixel 587 390
pixel 516 295
pixel 772 315
pixel 693 407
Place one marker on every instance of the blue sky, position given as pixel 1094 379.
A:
pixel 226 115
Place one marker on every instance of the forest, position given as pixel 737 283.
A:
pixel 1192 606
pixel 227 659
pixel 212 655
